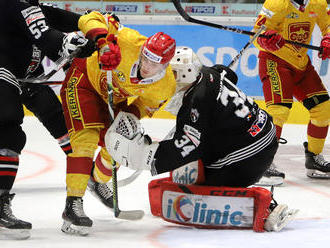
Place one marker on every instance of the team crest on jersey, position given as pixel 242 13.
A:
pixel 121 76
pixel 299 32
pixel 35 59
pixel 194 115
pixel 292 15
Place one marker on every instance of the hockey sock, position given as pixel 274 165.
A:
pixel 8 171
pixel 316 138
pixel 65 144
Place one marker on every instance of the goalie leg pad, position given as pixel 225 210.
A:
pixel 209 206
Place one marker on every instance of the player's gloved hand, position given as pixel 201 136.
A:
pixel 325 45
pixel 87 49
pixel 71 42
pixel 272 44
pixel 136 154
pixel 109 52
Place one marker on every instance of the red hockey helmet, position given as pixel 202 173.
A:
pixel 159 48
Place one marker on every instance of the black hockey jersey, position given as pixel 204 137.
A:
pixel 28 32
pixel 217 123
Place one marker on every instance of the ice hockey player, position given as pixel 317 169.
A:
pixel 27 36
pixel 286 72
pixel 139 68
pixel 222 143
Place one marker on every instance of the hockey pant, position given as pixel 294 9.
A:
pixel 42 101
pixel 282 82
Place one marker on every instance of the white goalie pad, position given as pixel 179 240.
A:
pixel 126 124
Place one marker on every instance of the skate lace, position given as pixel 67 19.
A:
pixel 104 191
pixel 78 209
pixel 8 212
pixel 319 159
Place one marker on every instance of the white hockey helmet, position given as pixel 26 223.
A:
pixel 186 65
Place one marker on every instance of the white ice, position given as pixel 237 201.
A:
pixel 40 198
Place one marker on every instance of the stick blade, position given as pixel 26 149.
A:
pixel 130 215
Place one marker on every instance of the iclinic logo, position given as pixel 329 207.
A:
pixel 182 208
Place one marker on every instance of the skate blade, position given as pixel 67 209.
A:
pixel 279 218
pixel 318 174
pixel 70 228
pixel 270 181
pixel 14 234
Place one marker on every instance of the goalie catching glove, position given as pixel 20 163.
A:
pixel 127 145
pixel 137 153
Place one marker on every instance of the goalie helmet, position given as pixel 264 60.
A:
pixel 159 48
pixel 186 65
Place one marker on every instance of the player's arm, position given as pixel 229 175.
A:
pixel 271 16
pixel 102 29
pixel 323 21
pixel 60 19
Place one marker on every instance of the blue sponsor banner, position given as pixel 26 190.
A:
pixel 215 46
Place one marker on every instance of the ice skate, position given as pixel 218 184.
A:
pixel 75 219
pixel 316 165
pixel 102 192
pixel 271 177
pixel 10 226
pixel 280 216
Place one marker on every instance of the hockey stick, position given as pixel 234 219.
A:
pixel 59 64
pixel 188 18
pixel 253 38
pixel 120 214
pixel 130 179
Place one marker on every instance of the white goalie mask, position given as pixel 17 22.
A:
pixel 186 65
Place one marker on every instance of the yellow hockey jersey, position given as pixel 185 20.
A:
pixel 285 17
pixel 149 93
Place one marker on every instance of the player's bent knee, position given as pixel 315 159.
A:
pixel 320 114
pixel 279 113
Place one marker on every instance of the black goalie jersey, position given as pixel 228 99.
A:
pixel 217 124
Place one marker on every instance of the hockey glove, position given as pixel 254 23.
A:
pixel 136 154
pixel 109 52
pixel 71 42
pixel 325 45
pixel 272 44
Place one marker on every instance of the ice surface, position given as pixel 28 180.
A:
pixel 40 197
